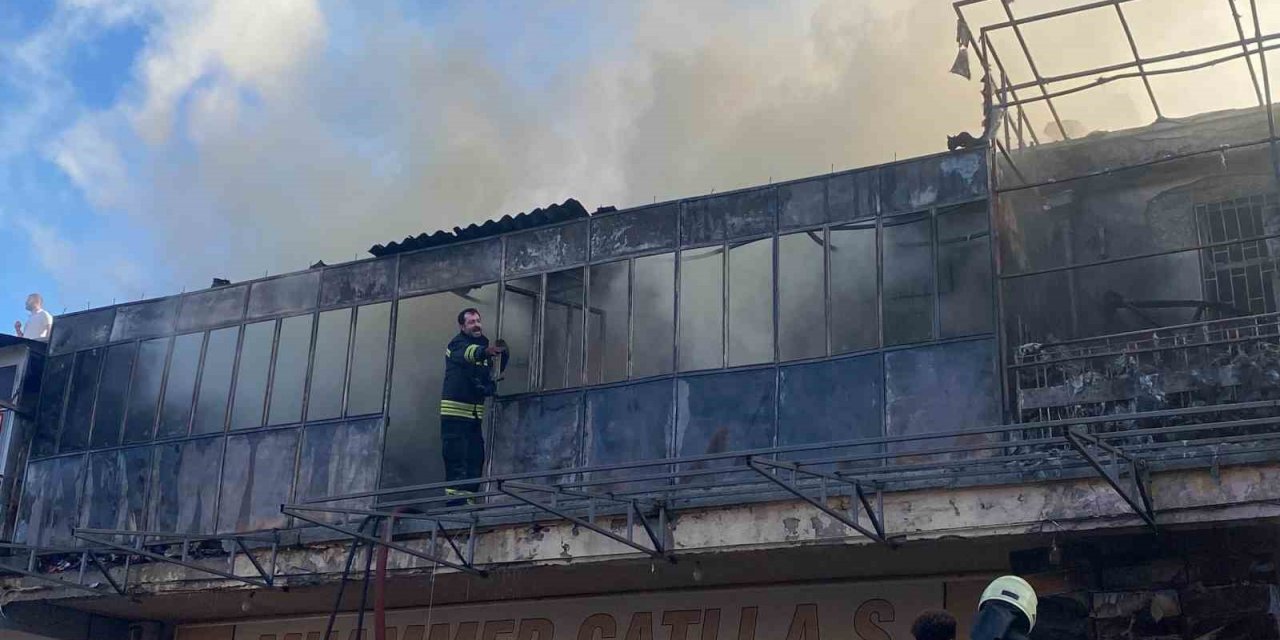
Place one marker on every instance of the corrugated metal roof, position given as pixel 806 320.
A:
pixel 568 210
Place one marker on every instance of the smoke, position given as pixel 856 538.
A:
pixel 258 137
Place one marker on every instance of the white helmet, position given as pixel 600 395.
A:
pixel 1015 591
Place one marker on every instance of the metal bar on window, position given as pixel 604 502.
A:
pixel 1253 74
pixel 1266 90
pixel 1035 71
pixel 1133 47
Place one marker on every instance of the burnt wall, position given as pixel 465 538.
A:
pixel 775 315
pixel 1135 248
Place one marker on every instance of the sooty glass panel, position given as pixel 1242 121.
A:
pixel 333 336
pixel 144 394
pixel 608 324
pixel 184 488
pixel 256 479
pixel 251 376
pixel 180 386
pixel 113 395
pixel 50 496
pixel 830 401
pixel 84 388
pixel 339 459
pixel 215 381
pixel 722 413
pixel 627 424
pixel 803 204
pixel 115 496
pixel 536 433
pixel 908 281
pixel 57 377
pixel 369 360
pixel 288 382
pixel 562 339
pixel 801 303
pixel 751 303
pixel 855 315
pixel 701 309
pixel 944 387
pixel 964 271
pixel 653 312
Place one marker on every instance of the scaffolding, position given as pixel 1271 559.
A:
pixel 1006 99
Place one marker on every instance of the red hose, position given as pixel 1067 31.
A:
pixel 380 584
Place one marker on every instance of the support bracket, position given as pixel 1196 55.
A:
pixel 1138 497
pixel 87 557
pixel 658 538
pixel 264 579
pixel 464 562
pixel 767 469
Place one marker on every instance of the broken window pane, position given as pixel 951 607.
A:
pixel 908 280
pixel 215 381
pixel 180 386
pixel 333 335
pixel 701 309
pixel 520 308
pixel 251 378
pixel 84 387
pixel 562 340
pixel 424 327
pixel 855 317
pixel 290 371
pixel 148 374
pixel 964 271
pixel 801 305
pixel 369 361
pixel 751 303
pixel 113 390
pixel 653 314
pixel 608 325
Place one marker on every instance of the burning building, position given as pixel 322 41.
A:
pixel 816 407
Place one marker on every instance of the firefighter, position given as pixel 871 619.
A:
pixel 467 381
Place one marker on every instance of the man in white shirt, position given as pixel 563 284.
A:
pixel 38 324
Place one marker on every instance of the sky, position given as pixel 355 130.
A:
pixel 148 146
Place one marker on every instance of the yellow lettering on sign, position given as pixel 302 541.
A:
pixel 804 623
pixel 641 627
pixel 532 629
pixel 866 621
pixel 747 623
pixel 711 624
pixel 466 631
pixel 602 622
pixel 495 628
pixel 680 621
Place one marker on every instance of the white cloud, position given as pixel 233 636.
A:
pixel 260 136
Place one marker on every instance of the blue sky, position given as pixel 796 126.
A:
pixel 147 146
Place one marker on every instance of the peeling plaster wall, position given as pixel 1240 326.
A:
pixel 1086 506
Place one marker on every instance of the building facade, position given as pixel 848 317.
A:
pixel 804 410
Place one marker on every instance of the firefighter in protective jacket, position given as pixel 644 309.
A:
pixel 467 382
